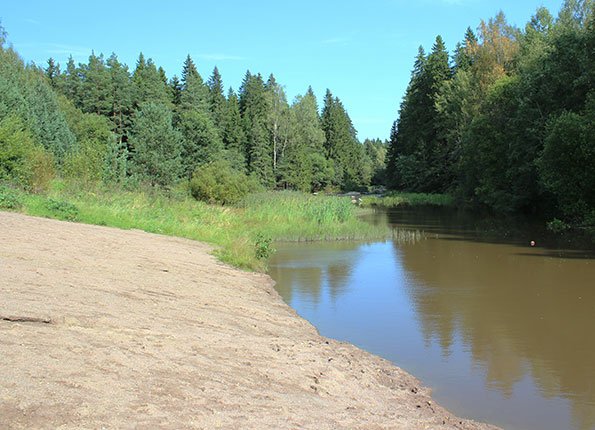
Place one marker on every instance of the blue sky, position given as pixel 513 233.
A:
pixel 362 50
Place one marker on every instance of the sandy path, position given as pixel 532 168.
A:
pixel 147 331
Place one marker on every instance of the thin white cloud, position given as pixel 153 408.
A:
pixel 61 49
pixel 336 41
pixel 31 21
pixel 221 57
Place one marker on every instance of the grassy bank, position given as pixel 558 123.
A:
pixel 395 199
pixel 243 234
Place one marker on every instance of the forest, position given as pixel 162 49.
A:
pixel 507 122
pixel 101 121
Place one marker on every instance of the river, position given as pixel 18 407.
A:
pixel 501 331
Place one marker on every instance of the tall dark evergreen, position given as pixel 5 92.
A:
pixel 216 98
pixel 121 96
pixel 341 145
pixel 52 71
pixel 194 91
pixel 175 88
pixel 156 157
pixel 254 108
pixel 148 84
pixel 71 82
pixel 232 132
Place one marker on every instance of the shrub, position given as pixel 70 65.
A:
pixel 218 182
pixel 22 161
pixel 62 210
pixel 9 199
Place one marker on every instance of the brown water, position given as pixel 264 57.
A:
pixel 502 332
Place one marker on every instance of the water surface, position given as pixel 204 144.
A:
pixel 502 332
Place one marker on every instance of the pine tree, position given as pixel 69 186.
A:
pixel 95 94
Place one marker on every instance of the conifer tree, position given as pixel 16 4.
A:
pixel 120 96
pixel 194 91
pixel 52 72
pixel 217 102
pixel 232 132
pixel 71 83
pixel 95 94
pixel 175 88
pixel 148 84
pixel 201 142
pixel 254 107
pixel 157 146
pixel 342 146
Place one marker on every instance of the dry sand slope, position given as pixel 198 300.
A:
pixel 103 328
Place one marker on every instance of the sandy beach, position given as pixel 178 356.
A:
pixel 104 328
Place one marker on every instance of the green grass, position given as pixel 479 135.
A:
pixel 242 235
pixel 396 199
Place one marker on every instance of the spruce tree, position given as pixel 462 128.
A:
pixel 148 84
pixel 201 142
pixel 175 88
pixel 52 72
pixel 342 146
pixel 217 102
pixel 232 132
pixel 194 91
pixel 157 146
pixel 254 107
pixel 71 82
pixel 121 96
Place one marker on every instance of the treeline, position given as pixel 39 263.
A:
pixel 100 121
pixel 508 120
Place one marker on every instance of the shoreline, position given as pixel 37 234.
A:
pixel 102 327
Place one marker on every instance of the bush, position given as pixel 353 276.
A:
pixel 22 161
pixel 62 210
pixel 9 199
pixel 219 183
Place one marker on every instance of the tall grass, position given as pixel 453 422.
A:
pixel 240 234
pixel 395 199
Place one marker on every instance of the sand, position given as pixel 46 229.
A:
pixel 105 328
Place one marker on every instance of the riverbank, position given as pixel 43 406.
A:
pixel 242 234
pixel 123 329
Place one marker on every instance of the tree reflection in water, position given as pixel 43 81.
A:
pixel 471 301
